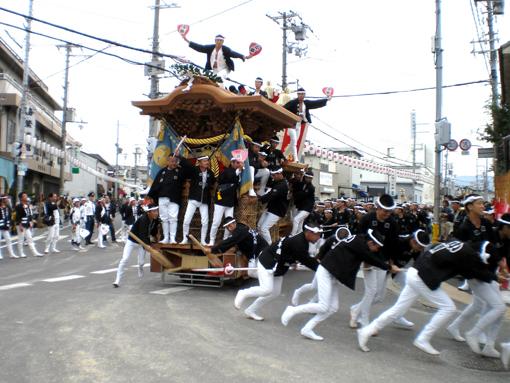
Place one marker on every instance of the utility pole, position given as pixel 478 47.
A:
pixel 438 52
pixel 493 57
pixel 137 153
pixel 118 150
pixel 68 47
pixel 156 62
pixel 20 131
pixel 288 22
pixel 413 136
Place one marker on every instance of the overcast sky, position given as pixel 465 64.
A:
pixel 356 47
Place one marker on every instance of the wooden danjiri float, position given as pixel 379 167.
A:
pixel 213 121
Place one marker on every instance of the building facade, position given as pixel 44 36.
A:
pixel 42 168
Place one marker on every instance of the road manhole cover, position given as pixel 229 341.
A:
pixel 468 359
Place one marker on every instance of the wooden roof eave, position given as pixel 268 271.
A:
pixel 222 99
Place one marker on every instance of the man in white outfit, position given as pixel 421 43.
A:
pixel 145 227
pixel 225 197
pixel 259 170
pixel 201 185
pixel 24 222
pixel 52 220
pixel 5 224
pixel 166 190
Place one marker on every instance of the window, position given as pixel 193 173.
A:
pixel 11 131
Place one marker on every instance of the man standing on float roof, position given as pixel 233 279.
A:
pixel 219 56
pixel 301 107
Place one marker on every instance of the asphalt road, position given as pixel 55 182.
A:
pixel 62 321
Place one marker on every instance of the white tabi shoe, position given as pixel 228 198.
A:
pixel 184 242
pixel 490 352
pixel 23 255
pixel 425 346
pixel 287 315
pixel 140 271
pixel 455 333
pixel 505 354
pixel 211 244
pixel 363 337
pixel 403 323
pixel 310 334
pixel 1 257
pixel 13 256
pixel 472 342
pixel 252 315
pixel 164 241
pixel 55 251
pixel 353 321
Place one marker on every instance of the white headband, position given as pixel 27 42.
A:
pixel 472 199
pixel 309 175
pixel 280 170
pixel 152 208
pixel 501 220
pixel 202 158
pixel 315 230
pixel 371 235
pixel 229 222
pixel 342 228
pixel 380 205
pixel 415 236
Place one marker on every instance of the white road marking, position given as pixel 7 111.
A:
pixel 106 271
pixel 60 279
pixel 170 290
pixel 14 286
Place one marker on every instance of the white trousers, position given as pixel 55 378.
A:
pixel 53 235
pixel 361 310
pixel 266 222
pixel 188 216
pixel 414 289
pixel 293 135
pixel 5 234
pixel 328 292
pixel 307 288
pixel 25 235
pixel 169 213
pixel 75 235
pixel 263 175
pixel 128 249
pixel 269 288
pixel 219 212
pixel 489 303
pixel 297 222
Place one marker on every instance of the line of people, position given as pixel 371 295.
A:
pixel 379 251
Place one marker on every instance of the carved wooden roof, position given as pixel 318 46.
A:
pixel 208 110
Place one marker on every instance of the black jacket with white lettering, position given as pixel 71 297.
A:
pixel 344 260
pixel 5 218
pixel 198 190
pixel 144 227
pixel 388 228
pixel 277 198
pixel 286 251
pixel 247 240
pixel 446 260
pixel 303 194
pixel 168 182
pixel 228 183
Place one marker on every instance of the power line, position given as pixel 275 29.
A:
pixel 102 51
pixel 214 15
pixel 404 90
pixel 107 41
pixel 360 143
pixel 476 20
pixel 354 147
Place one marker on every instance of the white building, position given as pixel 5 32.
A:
pixel 83 182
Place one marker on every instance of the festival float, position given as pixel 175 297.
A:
pixel 201 118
